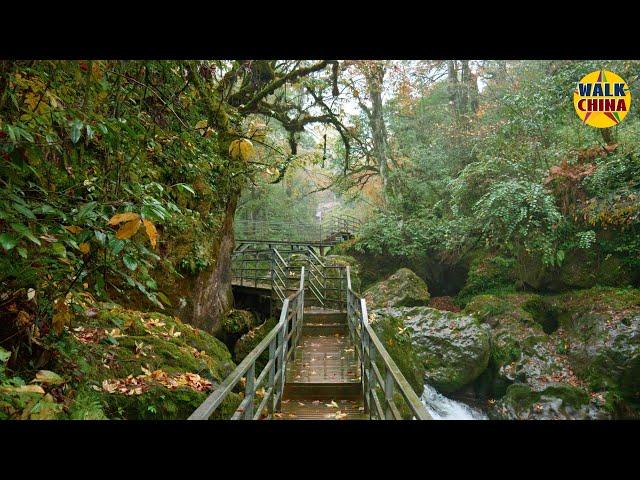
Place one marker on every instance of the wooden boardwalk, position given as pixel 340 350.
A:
pixel 323 378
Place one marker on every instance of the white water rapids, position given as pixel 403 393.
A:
pixel 443 408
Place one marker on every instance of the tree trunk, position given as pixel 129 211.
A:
pixel 452 86
pixel 212 295
pixel 375 79
pixel 470 88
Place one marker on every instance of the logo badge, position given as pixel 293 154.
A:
pixel 602 99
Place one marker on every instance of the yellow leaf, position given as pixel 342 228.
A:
pixel 241 149
pixel 84 247
pixel 73 229
pixel 152 233
pixel 129 229
pixel 123 217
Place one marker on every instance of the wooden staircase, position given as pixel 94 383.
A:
pixel 323 377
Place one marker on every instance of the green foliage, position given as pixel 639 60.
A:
pixel 519 215
pixel 488 180
pixel 83 141
pixel 487 274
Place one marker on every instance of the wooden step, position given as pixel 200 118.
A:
pixel 323 359
pixel 324 329
pixel 321 409
pixel 317 316
pixel 323 390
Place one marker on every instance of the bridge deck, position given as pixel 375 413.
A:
pixel 323 379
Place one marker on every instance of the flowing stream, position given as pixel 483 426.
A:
pixel 443 408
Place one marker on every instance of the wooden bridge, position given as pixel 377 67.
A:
pixel 324 359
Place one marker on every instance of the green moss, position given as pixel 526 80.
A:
pixel 488 274
pixel 238 322
pixel 122 342
pixel 506 305
pixel 598 299
pixel 583 269
pixel 402 289
pixel 523 397
pixel 250 340
pixel 399 346
pixel 543 312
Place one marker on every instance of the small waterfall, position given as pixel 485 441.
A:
pixel 443 408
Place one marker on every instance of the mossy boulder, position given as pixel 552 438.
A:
pixel 453 348
pixel 556 402
pixel 602 336
pixel 250 340
pixel 586 340
pixel 520 349
pixel 127 364
pixel 513 328
pixel 402 289
pixel 614 272
pixel 397 341
pixel 235 324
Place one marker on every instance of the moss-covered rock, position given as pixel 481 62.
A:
pixel 512 326
pixel 453 348
pixel 586 340
pixel 614 272
pixel 402 289
pixel 397 341
pixel 235 324
pixel 121 363
pixel 602 338
pixel 250 340
pixel 520 349
pixel 557 402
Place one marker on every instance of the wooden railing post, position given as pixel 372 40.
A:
pixel 279 380
pixel 285 331
pixel 388 393
pixel 272 377
pixel 249 390
pixel 365 366
pixel 372 382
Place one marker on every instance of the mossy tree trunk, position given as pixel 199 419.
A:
pixel 212 296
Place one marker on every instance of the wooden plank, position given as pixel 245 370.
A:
pixel 321 409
